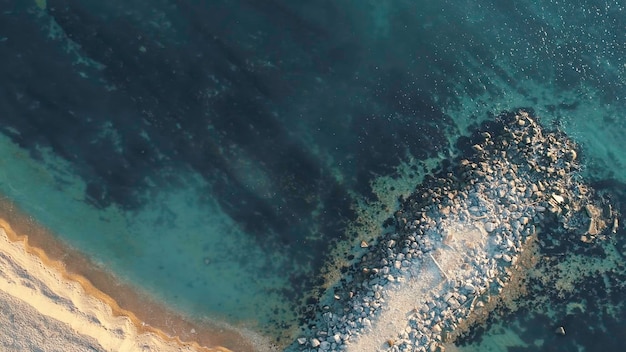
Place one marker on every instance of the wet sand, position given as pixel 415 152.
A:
pixel 61 284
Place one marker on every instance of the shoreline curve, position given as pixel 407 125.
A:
pixel 42 271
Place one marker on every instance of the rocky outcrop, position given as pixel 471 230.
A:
pixel 458 239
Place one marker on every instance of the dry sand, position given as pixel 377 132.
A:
pixel 56 300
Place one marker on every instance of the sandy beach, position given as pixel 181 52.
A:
pixel 38 302
pixel 51 301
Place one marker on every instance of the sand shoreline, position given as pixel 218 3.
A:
pixel 62 284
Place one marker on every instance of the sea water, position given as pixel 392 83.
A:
pixel 230 156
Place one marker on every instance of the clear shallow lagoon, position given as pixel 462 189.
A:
pixel 229 156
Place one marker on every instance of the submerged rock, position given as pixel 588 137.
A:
pixel 560 331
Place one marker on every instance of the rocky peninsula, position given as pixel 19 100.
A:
pixel 458 239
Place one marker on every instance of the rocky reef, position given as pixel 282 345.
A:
pixel 459 239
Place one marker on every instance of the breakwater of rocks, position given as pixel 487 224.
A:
pixel 458 239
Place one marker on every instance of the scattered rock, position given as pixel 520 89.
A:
pixel 506 188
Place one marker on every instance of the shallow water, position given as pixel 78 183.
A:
pixel 229 156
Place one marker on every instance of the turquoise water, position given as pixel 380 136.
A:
pixel 229 156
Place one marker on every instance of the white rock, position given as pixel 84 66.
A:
pixel 315 342
pixel 302 340
pixel 559 199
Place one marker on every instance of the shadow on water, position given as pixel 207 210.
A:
pixel 130 104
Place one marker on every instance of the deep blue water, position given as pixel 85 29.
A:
pixel 267 129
